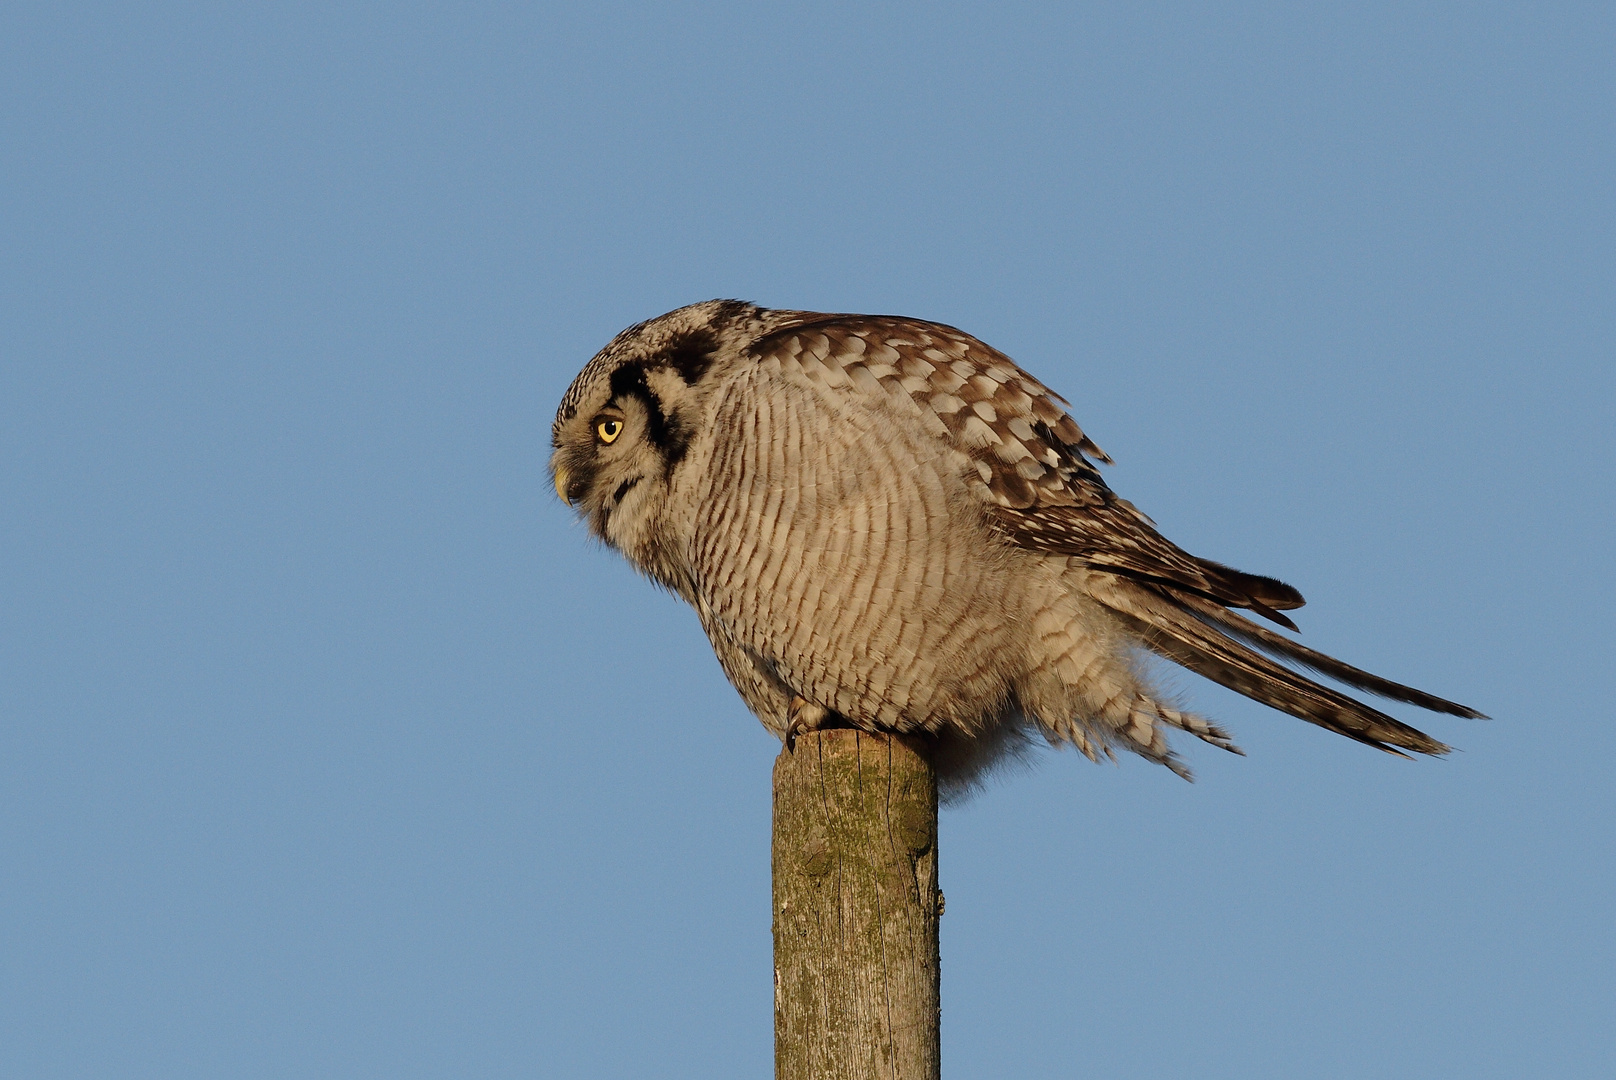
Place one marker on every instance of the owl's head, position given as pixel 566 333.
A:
pixel 629 418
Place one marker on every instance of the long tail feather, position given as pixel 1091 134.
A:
pixel 1174 626
pixel 1268 641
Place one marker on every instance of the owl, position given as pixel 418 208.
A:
pixel 886 524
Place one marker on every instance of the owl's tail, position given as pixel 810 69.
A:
pixel 1203 636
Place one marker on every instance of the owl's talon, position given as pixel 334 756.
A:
pixel 805 716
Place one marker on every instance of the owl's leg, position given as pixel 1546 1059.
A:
pixel 805 716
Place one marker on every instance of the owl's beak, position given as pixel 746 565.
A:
pixel 561 483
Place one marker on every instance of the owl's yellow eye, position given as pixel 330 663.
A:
pixel 608 430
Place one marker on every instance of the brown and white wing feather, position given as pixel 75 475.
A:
pixel 1032 462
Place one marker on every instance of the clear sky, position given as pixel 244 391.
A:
pixel 329 745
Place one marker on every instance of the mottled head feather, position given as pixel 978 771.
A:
pixel 684 341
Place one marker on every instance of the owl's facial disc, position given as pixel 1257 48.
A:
pixel 605 465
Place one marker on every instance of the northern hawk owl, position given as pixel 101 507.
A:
pixel 887 524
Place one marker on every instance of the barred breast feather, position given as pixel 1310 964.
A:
pixel 830 545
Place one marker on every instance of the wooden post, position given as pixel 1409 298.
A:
pixel 855 910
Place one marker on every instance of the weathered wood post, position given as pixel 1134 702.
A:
pixel 856 906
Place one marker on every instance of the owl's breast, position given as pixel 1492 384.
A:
pixel 837 540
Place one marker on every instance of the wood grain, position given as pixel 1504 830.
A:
pixel 856 909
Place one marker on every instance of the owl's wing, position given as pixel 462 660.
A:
pixel 1032 461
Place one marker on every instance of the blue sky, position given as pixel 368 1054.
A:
pixel 331 746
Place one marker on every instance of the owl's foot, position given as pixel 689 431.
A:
pixel 805 716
